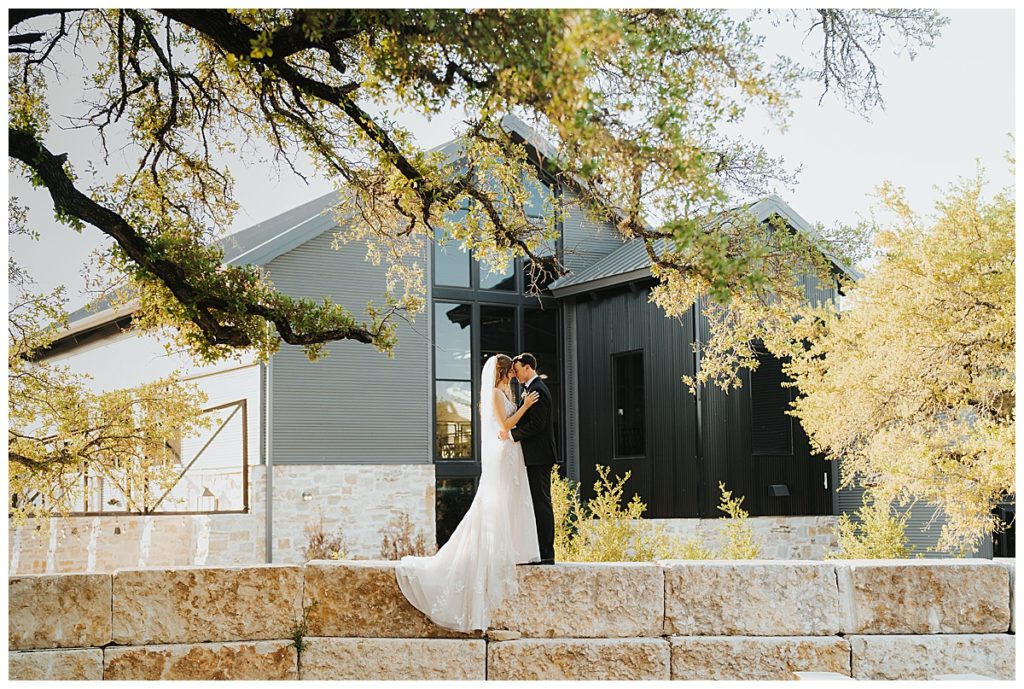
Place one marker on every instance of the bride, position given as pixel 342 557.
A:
pixel 475 570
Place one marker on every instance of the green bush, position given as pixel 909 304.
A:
pixel 602 530
pixel 878 532
pixel 740 543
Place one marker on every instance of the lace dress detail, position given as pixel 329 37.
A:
pixel 475 570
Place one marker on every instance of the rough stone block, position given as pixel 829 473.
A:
pixel 1008 563
pixel 757 657
pixel 253 660
pixel 394 659
pixel 594 599
pixel 751 598
pixel 928 656
pixel 58 611
pixel 60 664
pixel 578 659
pixel 189 605
pixel 924 596
pixel 362 599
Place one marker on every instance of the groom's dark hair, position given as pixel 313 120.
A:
pixel 527 359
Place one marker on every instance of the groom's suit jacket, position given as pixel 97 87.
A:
pixel 536 430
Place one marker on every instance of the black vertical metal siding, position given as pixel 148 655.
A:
pixel 666 477
pixel 680 473
pixel 728 457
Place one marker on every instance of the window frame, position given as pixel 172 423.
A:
pixel 615 358
pixel 763 354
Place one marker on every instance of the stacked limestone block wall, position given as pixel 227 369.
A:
pixel 668 620
pixel 357 500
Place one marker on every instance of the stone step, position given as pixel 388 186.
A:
pixel 394 659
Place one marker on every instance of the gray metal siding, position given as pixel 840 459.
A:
pixel 356 405
pixel 919 534
pixel 584 239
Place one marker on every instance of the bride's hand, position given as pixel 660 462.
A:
pixel 530 399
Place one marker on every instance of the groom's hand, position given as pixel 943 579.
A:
pixel 503 434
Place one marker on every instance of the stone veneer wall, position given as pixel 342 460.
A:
pixel 743 620
pixel 357 499
pixel 781 538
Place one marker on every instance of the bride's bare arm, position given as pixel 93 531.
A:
pixel 509 423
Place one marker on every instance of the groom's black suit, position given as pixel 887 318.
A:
pixel 535 432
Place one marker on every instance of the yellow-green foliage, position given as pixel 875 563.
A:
pixel 565 502
pixel 624 96
pixel 913 384
pixel 692 549
pixel 878 532
pixel 601 530
pixel 60 430
pixel 740 543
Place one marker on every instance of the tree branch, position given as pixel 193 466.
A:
pixel 69 200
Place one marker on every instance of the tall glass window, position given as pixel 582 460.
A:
pixel 451 261
pixel 452 498
pixel 497 331
pixel 503 280
pixel 628 404
pixel 477 314
pixel 453 387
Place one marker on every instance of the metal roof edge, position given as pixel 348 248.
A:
pixel 600 283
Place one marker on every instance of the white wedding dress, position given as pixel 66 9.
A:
pixel 475 570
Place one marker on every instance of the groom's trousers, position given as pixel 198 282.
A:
pixel 539 476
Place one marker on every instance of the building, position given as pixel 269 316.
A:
pixel 356 440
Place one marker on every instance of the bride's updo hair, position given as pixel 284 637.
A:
pixel 501 368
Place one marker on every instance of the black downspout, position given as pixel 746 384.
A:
pixel 699 411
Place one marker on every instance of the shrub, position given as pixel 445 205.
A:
pixel 693 549
pixel 601 530
pixel 878 532
pixel 320 546
pixel 740 543
pixel 400 538
pixel 565 503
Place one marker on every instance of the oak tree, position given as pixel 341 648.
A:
pixel 632 103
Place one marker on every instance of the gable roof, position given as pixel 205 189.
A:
pixel 630 262
pixel 263 242
pixel 255 245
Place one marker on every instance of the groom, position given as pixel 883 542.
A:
pixel 536 434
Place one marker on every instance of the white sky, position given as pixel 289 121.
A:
pixel 950 106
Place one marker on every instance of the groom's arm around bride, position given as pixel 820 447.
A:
pixel 536 434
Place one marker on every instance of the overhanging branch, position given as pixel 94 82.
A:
pixel 69 200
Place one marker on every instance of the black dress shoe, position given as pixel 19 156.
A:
pixel 546 562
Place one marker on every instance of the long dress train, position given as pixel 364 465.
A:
pixel 475 570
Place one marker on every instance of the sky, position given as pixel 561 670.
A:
pixel 951 106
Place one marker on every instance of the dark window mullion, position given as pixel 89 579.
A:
pixel 475 373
